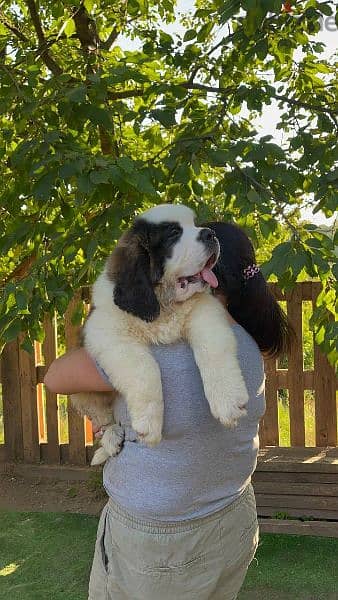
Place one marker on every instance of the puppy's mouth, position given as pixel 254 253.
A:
pixel 206 276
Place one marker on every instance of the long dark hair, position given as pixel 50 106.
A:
pixel 249 301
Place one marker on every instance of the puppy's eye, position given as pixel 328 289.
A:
pixel 173 232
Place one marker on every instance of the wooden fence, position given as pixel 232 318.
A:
pixel 32 426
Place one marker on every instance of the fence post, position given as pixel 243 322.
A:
pixel 268 428
pixel 11 397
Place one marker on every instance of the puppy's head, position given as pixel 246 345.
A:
pixel 163 257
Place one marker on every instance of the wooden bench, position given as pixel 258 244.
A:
pixel 301 483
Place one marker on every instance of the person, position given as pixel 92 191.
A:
pixel 181 518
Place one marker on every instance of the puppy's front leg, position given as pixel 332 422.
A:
pixel 132 371
pixel 215 350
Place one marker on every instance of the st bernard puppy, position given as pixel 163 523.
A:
pixel 155 289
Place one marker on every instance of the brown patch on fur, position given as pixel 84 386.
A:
pixel 128 244
pixel 165 292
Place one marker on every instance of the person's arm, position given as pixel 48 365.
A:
pixel 75 372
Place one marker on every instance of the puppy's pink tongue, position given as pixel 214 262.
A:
pixel 209 276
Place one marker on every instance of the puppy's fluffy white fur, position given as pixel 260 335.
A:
pixel 119 341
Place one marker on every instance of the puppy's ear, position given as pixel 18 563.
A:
pixel 130 270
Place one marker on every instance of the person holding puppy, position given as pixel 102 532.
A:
pixel 181 517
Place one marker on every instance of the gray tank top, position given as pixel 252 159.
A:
pixel 200 466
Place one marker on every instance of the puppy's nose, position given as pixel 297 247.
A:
pixel 206 235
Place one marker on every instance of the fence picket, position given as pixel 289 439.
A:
pixel 325 396
pixel 77 448
pixel 28 393
pixel 49 352
pixel 295 370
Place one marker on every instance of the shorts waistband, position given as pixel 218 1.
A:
pixel 161 527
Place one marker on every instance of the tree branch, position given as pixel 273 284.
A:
pixel 125 94
pixel 107 44
pixel 43 45
pixel 182 140
pixel 314 107
pixel 8 71
pixel 291 101
pixel 86 30
pixel 189 85
pixel 14 30
pixel 21 270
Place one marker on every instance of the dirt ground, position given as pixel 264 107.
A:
pixel 48 495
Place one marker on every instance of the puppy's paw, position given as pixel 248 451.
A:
pixel 230 405
pixel 113 439
pixel 228 415
pixel 110 443
pixel 148 429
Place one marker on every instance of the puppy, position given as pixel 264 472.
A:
pixel 155 289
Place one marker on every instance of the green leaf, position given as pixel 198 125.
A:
pixel 43 187
pixel 69 28
pixel 274 5
pixel 254 18
pixel 197 188
pixel 77 94
pixel 262 49
pixel 218 158
pixel 100 176
pixel 21 300
pixel 205 31
pixel 190 34
pixel 126 163
pixel 27 345
pixel 324 8
pixel 266 226
pixel 88 4
pixel 99 116
pixel 182 174
pixel 84 183
pixel 12 331
pixel 253 196
pixel 166 116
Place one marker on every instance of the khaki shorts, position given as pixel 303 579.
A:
pixel 200 559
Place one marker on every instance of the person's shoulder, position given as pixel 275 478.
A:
pixel 247 346
pixel 243 336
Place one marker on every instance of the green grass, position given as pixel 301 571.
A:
pixel 293 568
pixel 45 555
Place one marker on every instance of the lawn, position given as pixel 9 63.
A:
pixel 47 555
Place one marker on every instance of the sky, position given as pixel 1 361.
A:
pixel 267 123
